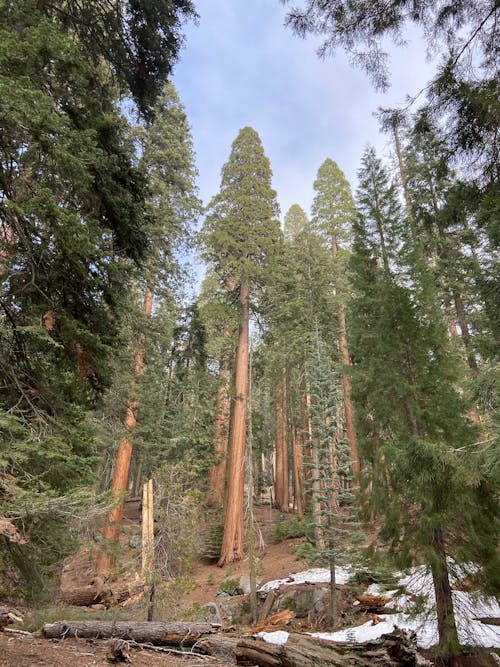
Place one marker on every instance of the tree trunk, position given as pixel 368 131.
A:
pixel 306 442
pixel 217 479
pixel 281 484
pixel 464 328
pixel 349 413
pixel 449 646
pixel 298 464
pixel 109 595
pixel 111 532
pixel 391 650
pixel 232 540
pixel 168 633
pixel 333 590
pixel 148 554
pixel 395 649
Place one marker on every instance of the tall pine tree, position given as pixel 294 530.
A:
pixel 241 231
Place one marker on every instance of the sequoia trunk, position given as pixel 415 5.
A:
pixel 232 541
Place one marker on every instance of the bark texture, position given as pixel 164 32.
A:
pixel 232 541
pixel 168 633
pixel 281 491
pixel 396 649
pixel 298 476
pixel 112 524
pixel 449 646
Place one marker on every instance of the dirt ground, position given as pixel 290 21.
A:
pixel 19 650
pixel 275 561
pixel 25 651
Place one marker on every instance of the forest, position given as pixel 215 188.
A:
pixel 338 367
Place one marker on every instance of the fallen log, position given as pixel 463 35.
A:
pixel 110 594
pixel 142 632
pixel 396 649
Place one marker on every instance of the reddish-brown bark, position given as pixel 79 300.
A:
pixel 281 491
pixel 119 484
pixel 233 537
pixel 298 477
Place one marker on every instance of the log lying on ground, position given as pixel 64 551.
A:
pixel 397 649
pixel 110 594
pixel 142 632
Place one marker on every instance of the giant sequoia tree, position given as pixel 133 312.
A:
pixel 241 231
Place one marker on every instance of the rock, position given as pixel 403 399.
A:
pixel 244 584
pixel 232 609
pixel 209 614
pixel 304 598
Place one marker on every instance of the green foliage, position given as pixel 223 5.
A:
pixel 213 542
pixel 230 586
pixel 296 222
pixel 135 43
pixel 431 491
pixel 332 465
pixel 298 298
pixel 178 512
pixel 241 227
pixel 295 526
pixel 333 209
pixel 305 551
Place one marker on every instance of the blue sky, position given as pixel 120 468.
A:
pixel 241 66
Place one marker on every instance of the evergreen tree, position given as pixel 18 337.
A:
pixel 241 231
pixel 333 212
pixel 73 230
pixel 168 163
pixel 332 490
pixel 433 494
pixel 299 300
pixel 296 222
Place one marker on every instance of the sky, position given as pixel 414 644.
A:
pixel 240 66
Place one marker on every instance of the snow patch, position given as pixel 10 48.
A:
pixel 279 637
pixel 317 575
pixel 416 582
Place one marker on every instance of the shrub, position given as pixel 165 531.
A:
pixel 296 526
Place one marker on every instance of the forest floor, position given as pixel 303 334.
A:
pixel 179 600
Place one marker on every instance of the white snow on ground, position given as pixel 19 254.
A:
pixel 278 637
pixel 317 575
pixel 468 607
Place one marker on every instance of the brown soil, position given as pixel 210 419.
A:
pixel 26 651
pixel 275 561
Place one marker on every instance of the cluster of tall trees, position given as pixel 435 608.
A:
pixel 372 324
pixel 380 300
pixel 78 213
